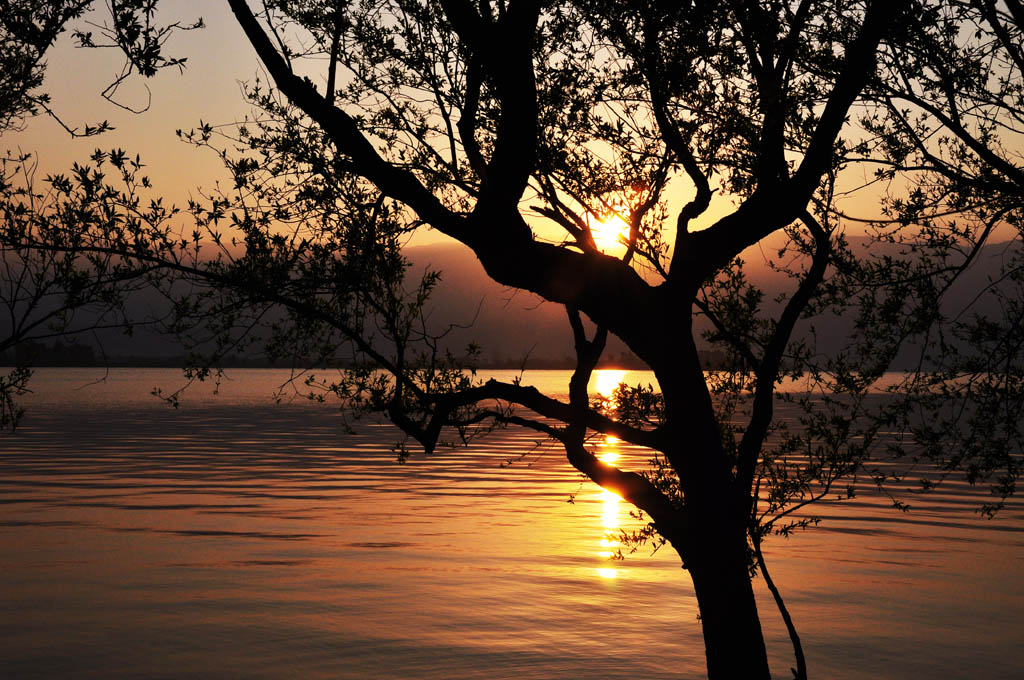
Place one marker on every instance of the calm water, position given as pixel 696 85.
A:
pixel 238 538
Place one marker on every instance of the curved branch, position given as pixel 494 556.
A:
pixel 770 208
pixel 505 51
pixel 344 132
pixel 738 344
pixel 800 672
pixel 636 489
pixel 764 391
pixel 543 405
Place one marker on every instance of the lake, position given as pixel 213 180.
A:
pixel 236 537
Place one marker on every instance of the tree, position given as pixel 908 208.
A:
pixel 61 290
pixel 55 292
pixel 950 122
pixel 515 127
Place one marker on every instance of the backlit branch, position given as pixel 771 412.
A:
pixel 768 369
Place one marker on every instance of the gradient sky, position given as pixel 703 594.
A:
pixel 219 59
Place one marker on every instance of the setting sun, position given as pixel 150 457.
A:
pixel 610 232
pixel 508 339
pixel 604 381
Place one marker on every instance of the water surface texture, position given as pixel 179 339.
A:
pixel 239 538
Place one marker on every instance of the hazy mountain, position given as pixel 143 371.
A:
pixel 514 327
pixel 510 325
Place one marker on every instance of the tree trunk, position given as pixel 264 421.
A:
pixel 733 641
pixel 714 542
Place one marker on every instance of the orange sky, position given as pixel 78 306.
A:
pixel 219 58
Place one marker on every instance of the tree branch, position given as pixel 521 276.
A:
pixel 768 371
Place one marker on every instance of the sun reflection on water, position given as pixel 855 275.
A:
pixel 610 523
pixel 609 519
pixel 604 383
pixel 609 511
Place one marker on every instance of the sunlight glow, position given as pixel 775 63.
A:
pixel 605 381
pixel 610 510
pixel 610 522
pixel 610 232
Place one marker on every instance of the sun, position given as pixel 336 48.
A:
pixel 605 381
pixel 610 232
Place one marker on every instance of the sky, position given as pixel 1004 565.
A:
pixel 219 58
pixel 209 89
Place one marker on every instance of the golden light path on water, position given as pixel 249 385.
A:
pixel 604 384
pixel 605 381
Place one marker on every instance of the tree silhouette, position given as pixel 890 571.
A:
pixel 708 128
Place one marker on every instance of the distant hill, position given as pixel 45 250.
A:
pixel 511 325
pixel 514 328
